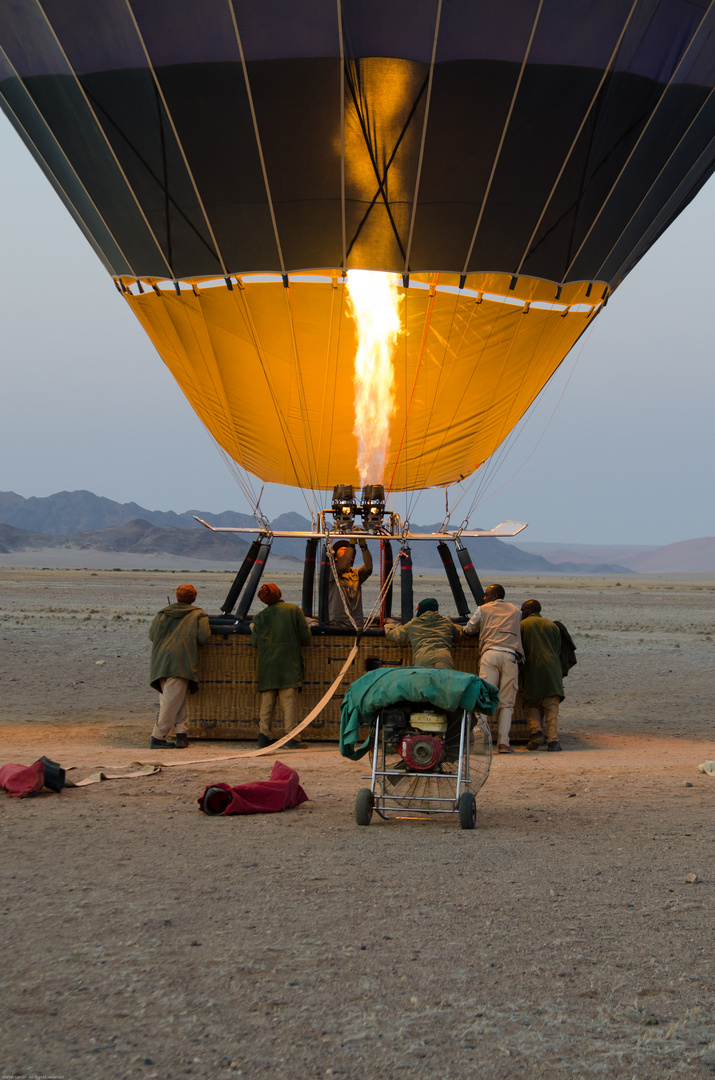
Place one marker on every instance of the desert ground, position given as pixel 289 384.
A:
pixel 560 938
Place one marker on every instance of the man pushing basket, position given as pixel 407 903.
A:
pixel 175 635
pixel 278 633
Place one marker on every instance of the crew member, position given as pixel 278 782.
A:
pixel 278 633
pixel 175 635
pixel 430 634
pixel 543 682
pixel 500 652
pixel 346 592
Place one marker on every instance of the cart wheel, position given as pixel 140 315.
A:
pixel 467 810
pixel 363 806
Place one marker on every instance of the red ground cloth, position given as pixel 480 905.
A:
pixel 19 781
pixel 281 792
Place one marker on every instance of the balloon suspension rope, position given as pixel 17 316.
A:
pixel 509 445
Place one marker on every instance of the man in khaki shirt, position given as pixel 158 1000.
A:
pixel 349 585
pixel 500 650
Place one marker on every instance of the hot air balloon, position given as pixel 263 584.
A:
pixel 231 162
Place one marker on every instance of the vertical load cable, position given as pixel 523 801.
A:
pixel 476 501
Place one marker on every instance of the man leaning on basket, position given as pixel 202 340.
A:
pixel 500 652
pixel 175 635
pixel 278 633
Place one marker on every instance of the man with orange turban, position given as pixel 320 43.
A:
pixel 278 633
pixel 175 635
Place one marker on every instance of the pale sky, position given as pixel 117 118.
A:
pixel 87 402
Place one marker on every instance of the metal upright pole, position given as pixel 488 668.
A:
pixel 407 605
pixel 253 580
pixel 311 546
pixel 238 582
pixel 471 575
pixel 453 578
pixel 385 572
pixel 324 588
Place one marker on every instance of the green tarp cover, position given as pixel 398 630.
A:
pixel 448 690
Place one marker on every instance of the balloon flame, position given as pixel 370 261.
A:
pixel 374 308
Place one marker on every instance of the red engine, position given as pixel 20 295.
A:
pixel 421 752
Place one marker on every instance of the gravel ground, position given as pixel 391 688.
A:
pixel 559 939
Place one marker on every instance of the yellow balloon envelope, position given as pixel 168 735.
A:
pixel 269 370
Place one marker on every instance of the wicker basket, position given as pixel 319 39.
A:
pixel 226 705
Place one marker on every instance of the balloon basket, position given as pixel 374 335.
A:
pixel 227 703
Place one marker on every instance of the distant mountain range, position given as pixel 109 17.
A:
pixel 80 520
pixel 137 536
pixel 684 557
pixel 71 512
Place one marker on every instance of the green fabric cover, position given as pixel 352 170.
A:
pixel 542 677
pixel 175 635
pixel 278 633
pixel 449 690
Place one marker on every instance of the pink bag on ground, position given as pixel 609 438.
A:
pixel 19 781
pixel 281 792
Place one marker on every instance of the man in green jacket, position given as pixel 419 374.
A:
pixel 278 633
pixel 542 680
pixel 430 634
pixel 175 635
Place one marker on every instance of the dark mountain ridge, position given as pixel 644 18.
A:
pixel 138 537
pixel 82 520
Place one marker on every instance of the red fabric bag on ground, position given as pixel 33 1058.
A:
pixel 281 792
pixel 19 781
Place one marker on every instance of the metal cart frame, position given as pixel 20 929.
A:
pixel 403 792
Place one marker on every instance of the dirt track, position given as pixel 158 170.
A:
pixel 559 939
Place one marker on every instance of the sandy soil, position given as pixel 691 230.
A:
pixel 559 939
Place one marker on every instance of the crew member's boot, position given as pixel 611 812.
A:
pixel 537 739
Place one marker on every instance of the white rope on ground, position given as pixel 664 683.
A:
pixel 119 772
pixel 315 712
pixel 115 772
pixel 280 743
pixel 105 774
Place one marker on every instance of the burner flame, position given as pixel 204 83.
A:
pixel 374 307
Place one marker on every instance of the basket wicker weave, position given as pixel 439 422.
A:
pixel 227 703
